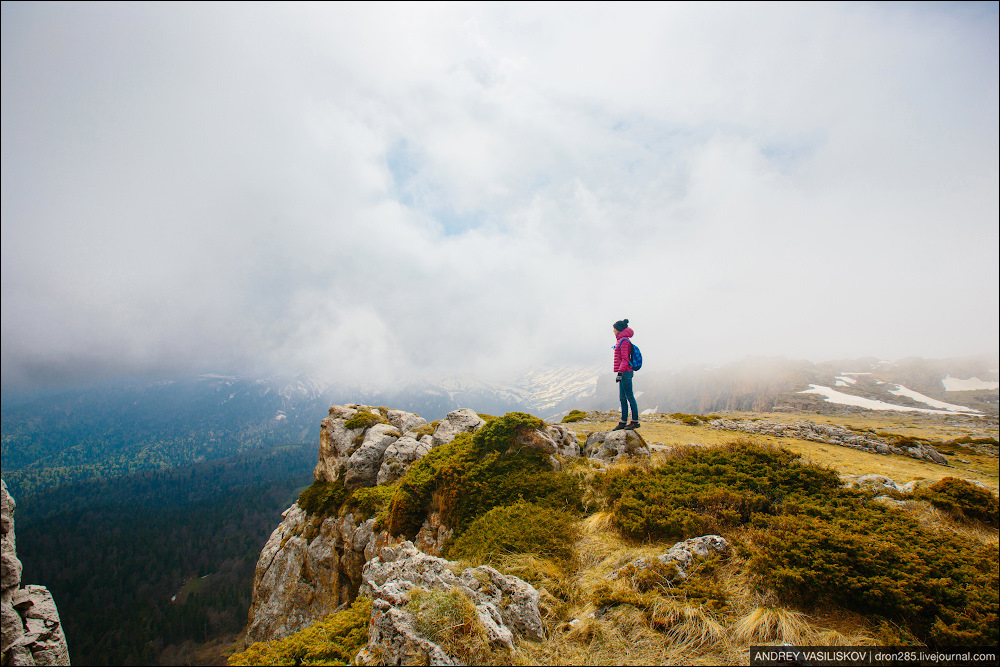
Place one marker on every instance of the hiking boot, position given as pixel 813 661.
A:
pixel 620 426
pixel 632 425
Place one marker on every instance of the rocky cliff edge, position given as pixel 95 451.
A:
pixel 31 631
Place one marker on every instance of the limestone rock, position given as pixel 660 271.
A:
pixel 834 435
pixel 363 465
pixel 432 535
pixel 610 446
pixel 306 571
pixel 879 484
pixel 505 605
pixel 355 456
pixel 464 420
pixel 405 421
pixel 400 455
pixel 30 630
pixel 683 555
pixel 551 439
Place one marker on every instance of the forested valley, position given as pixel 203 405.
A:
pixel 147 567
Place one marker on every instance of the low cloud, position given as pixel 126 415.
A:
pixel 379 193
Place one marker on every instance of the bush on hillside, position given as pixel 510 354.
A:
pixel 962 500
pixel 364 419
pixel 574 416
pixel 323 498
pixel 521 528
pixel 874 559
pixel 472 474
pixel 700 490
pixel 333 641
pixel 815 543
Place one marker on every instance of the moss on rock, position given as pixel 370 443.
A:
pixel 474 473
pixel 335 640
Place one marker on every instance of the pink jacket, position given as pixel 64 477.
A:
pixel 623 351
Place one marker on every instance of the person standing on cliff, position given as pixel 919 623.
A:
pixel 623 350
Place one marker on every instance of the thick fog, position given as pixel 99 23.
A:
pixel 371 192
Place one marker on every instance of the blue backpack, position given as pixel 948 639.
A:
pixel 634 356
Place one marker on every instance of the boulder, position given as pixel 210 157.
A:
pixel 505 606
pixel 464 420
pixel 400 455
pixel 405 421
pixel 878 484
pixel 610 446
pixel 363 465
pixel 354 456
pixel 551 439
pixel 683 555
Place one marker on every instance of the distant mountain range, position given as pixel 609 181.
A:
pixel 116 428
pixel 965 385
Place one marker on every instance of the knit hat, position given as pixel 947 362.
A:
pixel 620 325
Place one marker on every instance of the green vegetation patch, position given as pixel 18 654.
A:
pixel 521 528
pixel 701 490
pixel 323 498
pixel 864 556
pixel 574 416
pixel 368 501
pixel 472 474
pixel 365 419
pixel 962 500
pixel 335 640
pixel 693 420
pixel 815 543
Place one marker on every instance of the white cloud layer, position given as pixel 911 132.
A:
pixel 375 191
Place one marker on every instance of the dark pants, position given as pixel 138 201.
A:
pixel 627 397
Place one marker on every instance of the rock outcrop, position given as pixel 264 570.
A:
pixel 31 631
pixel 611 446
pixel 505 606
pixel 311 565
pixel 683 555
pixel 831 435
pixel 315 560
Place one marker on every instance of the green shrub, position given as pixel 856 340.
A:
pixel 962 500
pixel 818 544
pixel 499 433
pixel 472 474
pixel 873 559
pixel 700 490
pixel 701 587
pixel 323 498
pixel 523 528
pixel 368 501
pixel 364 419
pixel 426 429
pixel 335 640
pixel 574 416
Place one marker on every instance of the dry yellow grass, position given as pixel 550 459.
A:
pixel 671 631
pixel 666 630
pixel 847 461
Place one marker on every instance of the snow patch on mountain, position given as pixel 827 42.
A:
pixel 900 390
pixel 971 384
pixel 840 398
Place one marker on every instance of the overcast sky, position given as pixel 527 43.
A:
pixel 380 191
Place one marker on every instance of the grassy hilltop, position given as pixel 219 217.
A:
pixel 812 562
